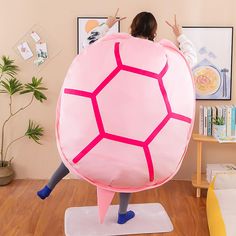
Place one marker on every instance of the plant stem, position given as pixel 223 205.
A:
pixel 10 104
pixel 10 145
pixel 22 108
pixel 4 124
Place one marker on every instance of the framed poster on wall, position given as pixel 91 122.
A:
pixel 86 24
pixel 213 72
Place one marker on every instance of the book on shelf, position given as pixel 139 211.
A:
pixel 209 121
pixel 233 120
pixel 214 111
pixel 228 121
pixel 224 113
pixel 219 111
pixel 201 120
pixel 205 120
pixel 207 113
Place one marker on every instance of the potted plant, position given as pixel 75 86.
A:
pixel 11 87
pixel 218 127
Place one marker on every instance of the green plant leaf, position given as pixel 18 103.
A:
pixel 25 91
pixel 34 131
pixel 42 88
pixel 35 88
pixel 11 86
pixel 218 120
pixel 7 67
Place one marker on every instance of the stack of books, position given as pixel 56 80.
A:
pixel 213 169
pixel 206 114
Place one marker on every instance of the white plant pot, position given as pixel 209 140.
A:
pixel 219 131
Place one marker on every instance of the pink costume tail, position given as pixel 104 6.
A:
pixel 104 198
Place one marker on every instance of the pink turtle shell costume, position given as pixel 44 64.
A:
pixel 125 113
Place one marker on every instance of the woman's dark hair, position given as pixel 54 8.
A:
pixel 144 25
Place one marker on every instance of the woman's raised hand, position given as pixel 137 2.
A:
pixel 177 29
pixel 111 20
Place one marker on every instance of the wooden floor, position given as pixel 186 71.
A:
pixel 22 213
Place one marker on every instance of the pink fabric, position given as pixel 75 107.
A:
pixel 126 113
pixel 104 199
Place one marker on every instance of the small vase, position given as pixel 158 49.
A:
pixel 6 173
pixel 218 131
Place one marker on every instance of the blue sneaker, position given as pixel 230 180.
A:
pixel 44 192
pixel 123 218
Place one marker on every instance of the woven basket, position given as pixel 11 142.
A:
pixel 6 173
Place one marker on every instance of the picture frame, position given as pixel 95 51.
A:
pixel 213 71
pixel 86 24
